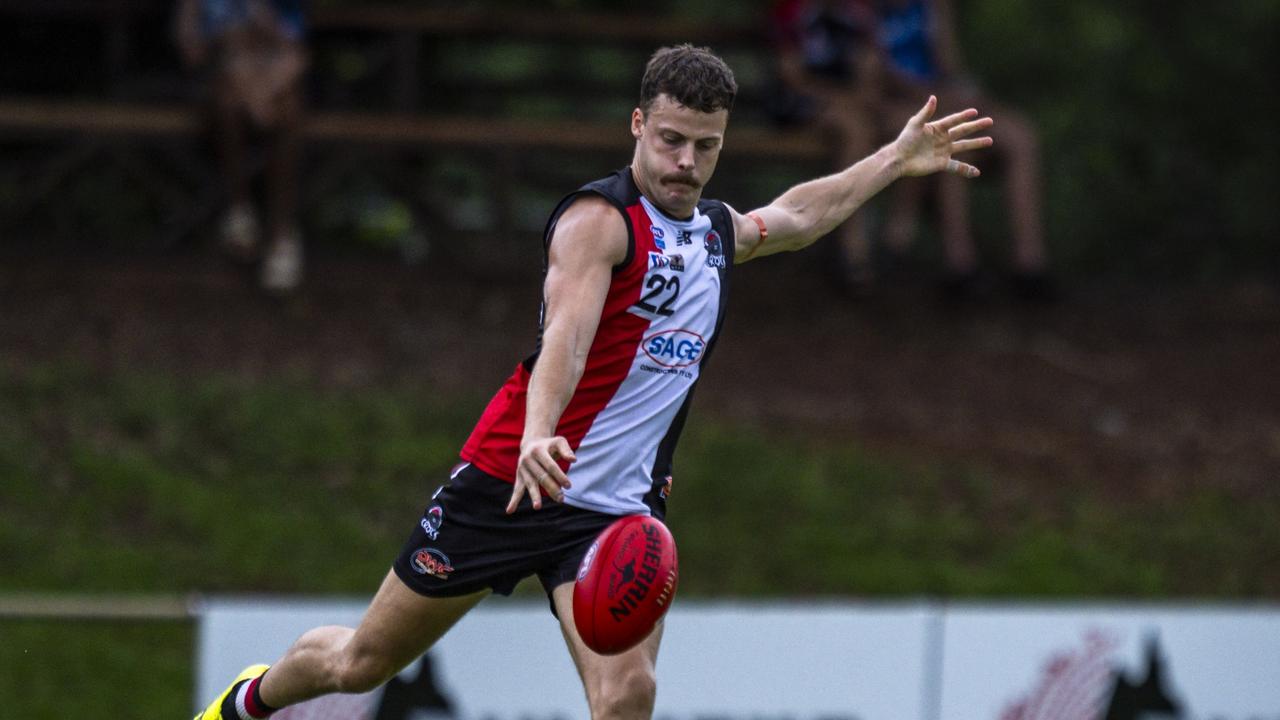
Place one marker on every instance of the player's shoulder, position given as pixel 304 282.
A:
pixel 597 200
pixel 730 213
pixel 591 227
pixel 734 220
pixel 594 210
pixel 619 187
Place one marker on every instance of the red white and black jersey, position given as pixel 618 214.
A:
pixel 660 320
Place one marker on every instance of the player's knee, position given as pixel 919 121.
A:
pixel 626 694
pixel 360 671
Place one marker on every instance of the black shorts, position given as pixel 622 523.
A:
pixel 466 542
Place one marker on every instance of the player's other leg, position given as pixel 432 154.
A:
pixel 399 626
pixel 618 687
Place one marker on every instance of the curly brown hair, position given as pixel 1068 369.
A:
pixel 692 76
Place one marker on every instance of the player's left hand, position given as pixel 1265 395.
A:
pixel 926 147
pixel 538 471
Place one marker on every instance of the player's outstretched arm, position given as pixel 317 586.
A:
pixel 812 209
pixel 589 240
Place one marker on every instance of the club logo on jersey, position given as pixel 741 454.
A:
pixel 674 348
pixel 430 522
pixel 430 561
pixel 684 237
pixel 658 261
pixel 658 236
pixel 715 251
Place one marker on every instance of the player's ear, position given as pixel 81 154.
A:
pixel 637 123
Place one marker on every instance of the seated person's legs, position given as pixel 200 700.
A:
pixel 850 121
pixel 282 266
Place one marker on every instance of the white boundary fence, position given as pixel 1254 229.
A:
pixel 825 661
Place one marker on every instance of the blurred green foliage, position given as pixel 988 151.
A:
pixel 58 669
pixel 1155 120
pixel 142 483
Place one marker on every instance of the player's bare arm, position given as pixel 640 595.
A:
pixel 590 239
pixel 812 209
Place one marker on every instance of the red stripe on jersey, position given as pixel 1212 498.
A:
pixel 494 444
pixel 614 349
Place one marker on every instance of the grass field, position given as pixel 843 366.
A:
pixel 138 483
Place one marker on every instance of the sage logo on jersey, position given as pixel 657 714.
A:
pixel 430 561
pixel 431 521
pixel 674 348
pixel 715 251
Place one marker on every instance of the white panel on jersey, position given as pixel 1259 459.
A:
pixel 680 297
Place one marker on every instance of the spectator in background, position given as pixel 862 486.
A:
pixel 828 67
pixel 855 68
pixel 255 52
pixel 921 56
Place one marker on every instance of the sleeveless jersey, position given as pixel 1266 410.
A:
pixel 660 320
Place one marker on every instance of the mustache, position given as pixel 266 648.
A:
pixel 681 178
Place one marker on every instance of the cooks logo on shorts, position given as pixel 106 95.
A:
pixel 430 561
pixel 715 250
pixel 431 521
pixel 674 348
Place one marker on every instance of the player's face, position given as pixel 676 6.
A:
pixel 676 153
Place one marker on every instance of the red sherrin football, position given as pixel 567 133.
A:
pixel 626 582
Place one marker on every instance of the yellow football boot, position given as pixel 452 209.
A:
pixel 214 711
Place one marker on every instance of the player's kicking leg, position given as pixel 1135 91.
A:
pixel 619 687
pixel 399 626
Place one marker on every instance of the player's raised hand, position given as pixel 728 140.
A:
pixel 538 471
pixel 927 147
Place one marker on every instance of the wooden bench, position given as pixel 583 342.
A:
pixel 38 117
pixel 388 140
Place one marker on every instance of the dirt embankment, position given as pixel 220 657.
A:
pixel 1144 391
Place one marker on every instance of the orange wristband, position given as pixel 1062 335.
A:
pixel 764 234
